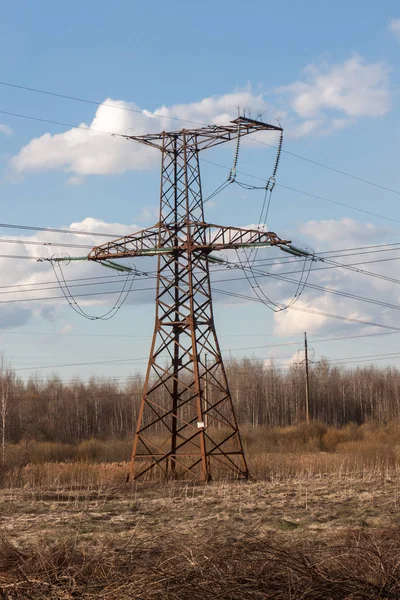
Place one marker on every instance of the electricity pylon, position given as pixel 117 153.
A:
pixel 186 420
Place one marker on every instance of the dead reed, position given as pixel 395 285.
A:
pixel 273 454
pixel 357 565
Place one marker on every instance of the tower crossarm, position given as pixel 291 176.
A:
pixel 219 237
pixel 225 238
pixel 204 137
pixel 141 243
pixel 202 237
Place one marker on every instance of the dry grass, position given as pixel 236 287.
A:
pixel 92 450
pixel 319 520
pixel 263 467
pixel 272 454
pixel 309 537
pixel 356 565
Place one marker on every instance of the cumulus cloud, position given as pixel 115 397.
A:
pixel 94 287
pixel 343 234
pixel 394 27
pixel 343 231
pixel 31 278
pixel 5 129
pixel 333 96
pixel 327 99
pixel 304 315
pixel 87 151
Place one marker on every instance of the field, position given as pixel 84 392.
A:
pixel 311 524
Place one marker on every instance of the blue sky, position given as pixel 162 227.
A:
pixel 329 71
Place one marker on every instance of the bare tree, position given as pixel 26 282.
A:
pixel 5 380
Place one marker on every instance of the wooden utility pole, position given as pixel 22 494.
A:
pixel 4 398
pixel 307 380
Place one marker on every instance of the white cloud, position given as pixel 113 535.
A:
pixel 75 180
pixel 297 130
pixel 295 320
pixel 339 234
pixel 329 234
pixel 394 27
pixel 33 274
pixel 67 328
pixel 5 129
pixel 88 152
pixel 334 96
pixel 148 214
pixel 329 98
pixel 91 224
pixel 341 231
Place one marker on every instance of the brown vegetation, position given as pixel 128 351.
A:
pixel 356 565
pixel 309 537
pixel 318 520
pixel 272 453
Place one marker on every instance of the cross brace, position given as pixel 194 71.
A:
pixel 164 239
pixel 187 422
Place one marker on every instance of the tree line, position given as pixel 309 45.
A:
pixel 69 412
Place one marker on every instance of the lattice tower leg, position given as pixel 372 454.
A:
pixel 179 429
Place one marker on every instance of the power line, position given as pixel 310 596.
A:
pixel 68 125
pixel 20 257
pixel 24 285
pixel 319 164
pixel 116 335
pixel 316 196
pixel 283 366
pixel 261 273
pixel 111 279
pixel 362 358
pixel 363 262
pixel 46 298
pixel 309 194
pixel 43 243
pixel 57 230
pixel 99 362
pixel 315 312
pixel 317 341
pixel 80 364
pixel 375 356
pixel 152 288
pixel 384 247
pixel 333 291
pixel 349 252
pixel 227 293
pixel 358 248
pixel 325 289
pixel 170 117
pixel 341 252
pixel 97 103
pixel 370 213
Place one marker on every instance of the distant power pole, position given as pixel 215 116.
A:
pixel 307 380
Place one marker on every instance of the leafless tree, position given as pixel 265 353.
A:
pixel 5 384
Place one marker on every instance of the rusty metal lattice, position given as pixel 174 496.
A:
pixel 187 420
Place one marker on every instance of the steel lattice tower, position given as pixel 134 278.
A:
pixel 186 420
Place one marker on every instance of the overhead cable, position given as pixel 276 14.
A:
pixel 179 119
